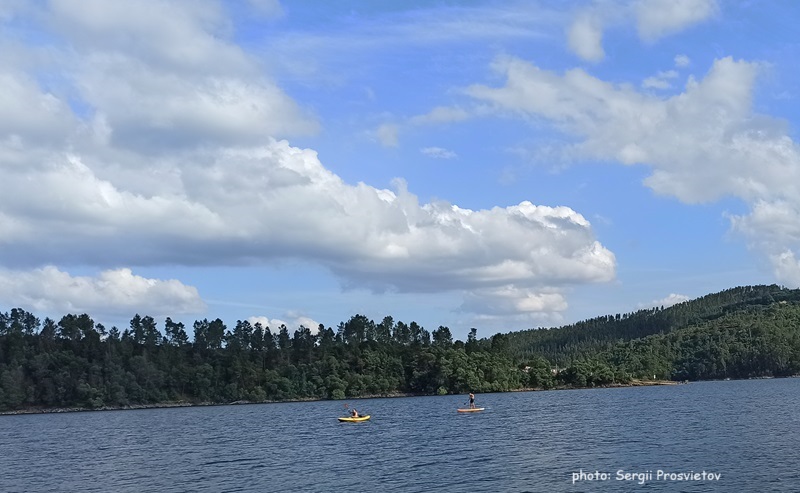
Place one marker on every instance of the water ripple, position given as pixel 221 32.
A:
pixel 523 442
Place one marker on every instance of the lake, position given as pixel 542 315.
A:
pixel 576 440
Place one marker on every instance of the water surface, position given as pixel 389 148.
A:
pixel 746 431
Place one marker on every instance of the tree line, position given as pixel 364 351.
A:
pixel 744 332
pixel 76 362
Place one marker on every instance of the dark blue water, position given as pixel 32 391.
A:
pixel 745 431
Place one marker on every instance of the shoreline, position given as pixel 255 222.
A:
pixel 168 405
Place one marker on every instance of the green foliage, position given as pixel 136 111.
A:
pixel 744 332
pixel 562 346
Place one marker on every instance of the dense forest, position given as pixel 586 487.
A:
pixel 744 332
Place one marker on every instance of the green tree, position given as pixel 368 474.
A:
pixel 442 337
pixel 176 333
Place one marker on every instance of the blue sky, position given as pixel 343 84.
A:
pixel 497 165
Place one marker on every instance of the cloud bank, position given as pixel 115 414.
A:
pixel 703 144
pixel 155 140
pixel 115 292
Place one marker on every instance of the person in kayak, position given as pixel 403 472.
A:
pixel 471 400
pixel 353 413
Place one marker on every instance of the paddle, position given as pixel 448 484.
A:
pixel 360 414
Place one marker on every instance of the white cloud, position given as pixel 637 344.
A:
pixel 111 293
pixel 168 158
pixel 307 322
pixel 654 19
pixel 678 135
pixel 771 221
pixel 773 227
pixel 787 266
pixel 441 114
pixel 658 18
pixel 666 302
pixel 438 152
pixel 147 108
pixel 387 134
pixel 161 75
pixel 682 61
pixel 30 114
pixel 255 204
pixel 274 324
pixel 158 33
pixel 660 80
pixel 510 300
pixel 702 144
pixel 294 322
pixel 585 37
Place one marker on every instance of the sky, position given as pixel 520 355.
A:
pixel 489 164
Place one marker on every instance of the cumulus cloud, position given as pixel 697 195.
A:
pixel 307 322
pixel 168 157
pixel 787 266
pixel 31 114
pixel 666 302
pixel 294 323
pixel 619 123
pixel 585 37
pixel 116 292
pixel 237 206
pixel 702 144
pixel 155 32
pixel 510 300
pixel 267 322
pixel 164 75
pixel 148 109
pixel 773 227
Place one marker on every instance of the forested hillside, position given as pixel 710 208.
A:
pixel 582 340
pixel 743 332
pixel 759 340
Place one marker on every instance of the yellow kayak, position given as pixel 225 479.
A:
pixel 355 420
pixel 472 410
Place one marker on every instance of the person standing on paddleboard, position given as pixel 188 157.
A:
pixel 471 400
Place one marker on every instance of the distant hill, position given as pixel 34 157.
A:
pixel 586 339
pixel 755 340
